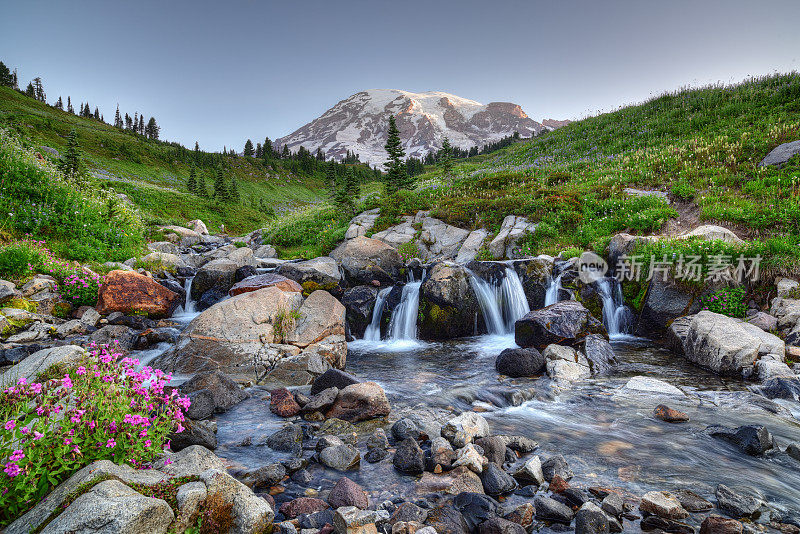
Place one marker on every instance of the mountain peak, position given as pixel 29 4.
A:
pixel 359 124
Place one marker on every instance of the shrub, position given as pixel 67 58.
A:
pixel 100 410
pixel 81 289
pixel 408 250
pixel 683 190
pixel 17 259
pixel 728 301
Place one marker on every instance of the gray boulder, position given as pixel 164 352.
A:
pixel 322 271
pixel 781 154
pixel 364 260
pixel 567 322
pixel 448 306
pixel 520 362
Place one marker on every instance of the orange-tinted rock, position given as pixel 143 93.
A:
pixel 130 292
pixel 260 281
pixel 359 402
pixel 282 403
pixel 558 484
pixel 715 524
pixel 665 413
pixel 302 505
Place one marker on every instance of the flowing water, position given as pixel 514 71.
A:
pixel 502 302
pixel 403 326
pixel 617 317
pixel 373 331
pixel 551 295
pixel 185 313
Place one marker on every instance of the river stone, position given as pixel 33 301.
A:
pixel 782 388
pixel 343 430
pixel 566 322
pixel 451 482
pixel 613 505
pixel 409 458
pixel 251 513
pixel 727 346
pixel 282 403
pixel 447 303
pixel 408 512
pixel 288 439
pixel 520 444
pixel 669 415
pixel 793 450
pixel 590 519
pixel 302 505
pixel 111 506
pixel 359 402
pixel 359 302
pixel 332 378
pixel 646 384
pixel 764 321
pixel 548 509
pixel 364 260
pixel 441 452
pixel 496 481
pixel 260 281
pixel 321 401
pixel 447 520
pixel 130 292
pixel 736 504
pixel 378 440
pixel 321 315
pixel 340 457
pixel 465 428
pixel 499 525
pixel 189 498
pixel 664 303
pixel 781 154
pixel 531 472
pixel 715 524
pixel 516 363
pixel 494 449
pixel 38 362
pixel 475 508
pixel 322 271
pixel 662 504
pixel 600 354
pixel 225 392
pixel 751 439
pixel 194 433
pixel 469 457
pixel 219 274
pixel 691 501
pixel 523 515
pixel 264 476
pixel 348 493
pixel 556 465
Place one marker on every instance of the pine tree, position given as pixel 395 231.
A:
pixel 136 122
pixel 259 151
pixel 59 104
pixel 220 190
pixel 248 149
pixel 330 180
pixel 39 90
pixel 285 154
pixel 70 163
pixel 29 91
pixel 267 150
pixel 118 118
pixel 233 191
pixel 396 175
pixel 191 183
pixel 340 197
pixel 200 188
pixel 196 146
pixel 6 77
pixel 152 129
pixel 446 156
pixel 97 113
pixel 128 122
pixel 70 109
pixel 353 188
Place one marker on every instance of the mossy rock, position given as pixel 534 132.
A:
pixel 444 322
pixel 9 326
pixel 21 304
pixel 61 310
pixel 634 292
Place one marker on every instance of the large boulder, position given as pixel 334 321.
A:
pixel 180 235
pixel 471 246
pixel 250 512
pixel 447 304
pixel 663 303
pixel 111 506
pixel 567 322
pixel 710 232
pixel 219 274
pixel 397 235
pixel 535 275
pixel 260 281
pixel 224 392
pixel 439 240
pixel 358 402
pixel 364 260
pixel 130 292
pixel 781 154
pixel 362 223
pixel 728 346
pixel 359 302
pixel 40 361
pixel 516 363
pixel 163 261
pixel 322 271
pixel 320 316
pixel 511 231
pixel 232 335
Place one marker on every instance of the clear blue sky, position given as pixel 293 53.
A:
pixel 220 72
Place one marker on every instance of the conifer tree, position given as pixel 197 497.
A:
pixel 248 149
pixel 200 188
pixel 70 163
pixel 6 77
pixel 136 122
pixel 259 151
pixel 70 109
pixel 352 187
pixel 196 146
pixel 285 154
pixel 29 91
pixel 118 118
pixel 446 156
pixel 396 175
pixel 220 190
pixel 267 150
pixel 233 191
pixel 97 113
pixel 330 180
pixel 59 104
pixel 191 183
pixel 152 129
pixel 39 90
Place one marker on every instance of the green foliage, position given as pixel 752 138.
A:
pixel 683 190
pixel 728 301
pixel 309 233
pixel 408 250
pixel 397 177
pixel 16 259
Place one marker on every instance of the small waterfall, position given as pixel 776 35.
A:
pixel 188 311
pixel 403 326
pixel 501 302
pixel 617 317
pixel 552 293
pixel 373 331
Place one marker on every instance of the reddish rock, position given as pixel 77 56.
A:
pixel 665 413
pixel 522 514
pixel 348 493
pixel 282 403
pixel 302 505
pixel 715 524
pixel 260 281
pixel 130 292
pixel 558 484
pixel 358 402
pixel 326 529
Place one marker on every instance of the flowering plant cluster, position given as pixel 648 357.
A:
pixel 103 409
pixel 81 289
pixel 727 301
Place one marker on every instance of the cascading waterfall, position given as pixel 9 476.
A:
pixel 403 326
pixel 373 331
pixel 188 310
pixel 617 317
pixel 551 296
pixel 501 302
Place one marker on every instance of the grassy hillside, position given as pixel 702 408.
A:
pixel 154 173
pixel 701 146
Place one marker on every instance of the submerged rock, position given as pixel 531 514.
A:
pixel 465 429
pixel 736 504
pixel 359 402
pixel 663 505
pixel 517 363
pixel 753 440
pixel 669 415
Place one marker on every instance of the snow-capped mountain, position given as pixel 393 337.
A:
pixel 359 124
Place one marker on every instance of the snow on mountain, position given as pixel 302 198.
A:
pixel 359 124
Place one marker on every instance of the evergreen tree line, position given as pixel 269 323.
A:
pixel 434 158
